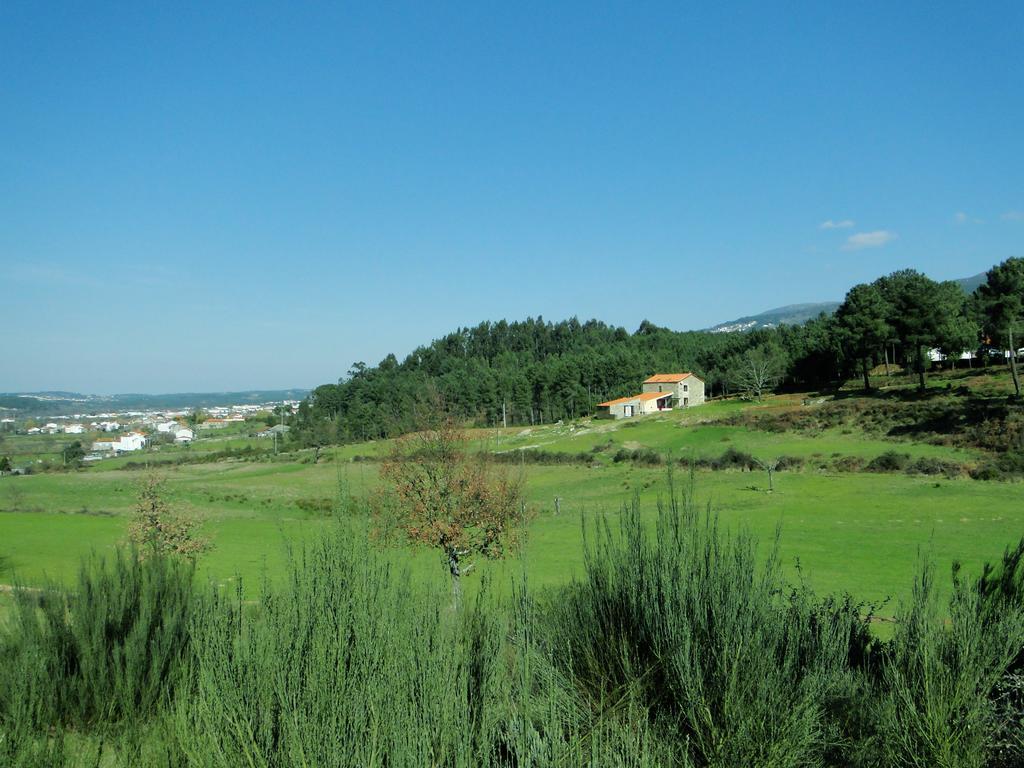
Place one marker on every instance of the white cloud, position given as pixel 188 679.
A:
pixel 843 224
pixel 1013 216
pixel 869 239
pixel 962 218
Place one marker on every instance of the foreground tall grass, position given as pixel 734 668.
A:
pixel 681 646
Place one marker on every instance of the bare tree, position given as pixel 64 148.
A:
pixel 771 467
pixel 757 370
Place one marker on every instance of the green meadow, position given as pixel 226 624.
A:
pixel 855 532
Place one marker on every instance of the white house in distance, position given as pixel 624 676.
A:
pixel 661 392
pixel 168 426
pixel 74 429
pixel 184 435
pixel 133 441
pixel 687 388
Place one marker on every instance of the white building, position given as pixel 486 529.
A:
pixel 133 441
pixel 184 435
pixel 104 444
pixel 74 429
pixel 168 426
pixel 935 355
pixel 637 405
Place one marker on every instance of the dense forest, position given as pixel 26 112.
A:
pixel 536 371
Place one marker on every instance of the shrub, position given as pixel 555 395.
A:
pixel 317 506
pixel 934 466
pixel 935 708
pixel 790 463
pixel 987 471
pixel 848 464
pixel 353 662
pixel 542 457
pixel 890 461
pixel 643 456
pixel 732 458
pixel 1003 467
pixel 690 625
pixel 109 650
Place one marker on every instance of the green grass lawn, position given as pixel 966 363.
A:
pixel 856 532
pixel 861 533
pixel 681 440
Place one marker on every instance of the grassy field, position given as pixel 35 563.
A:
pixel 860 532
pixel 857 532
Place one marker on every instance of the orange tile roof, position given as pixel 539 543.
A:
pixel 643 396
pixel 667 378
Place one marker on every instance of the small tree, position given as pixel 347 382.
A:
pixel 770 466
pixel 442 496
pixel 957 335
pixel 73 454
pixel 5 464
pixel 158 530
pixel 315 432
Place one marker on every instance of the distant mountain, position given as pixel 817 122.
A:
pixel 65 403
pixel 798 314
pixel 791 314
pixel 970 284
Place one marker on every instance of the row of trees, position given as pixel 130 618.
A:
pixel 910 314
pixel 536 371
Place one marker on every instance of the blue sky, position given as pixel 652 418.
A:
pixel 226 196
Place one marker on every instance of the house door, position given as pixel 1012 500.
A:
pixel 686 401
pixel 627 411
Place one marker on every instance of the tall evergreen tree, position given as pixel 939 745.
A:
pixel 1001 300
pixel 863 325
pixel 919 309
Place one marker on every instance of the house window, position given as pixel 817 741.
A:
pixel 686 387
